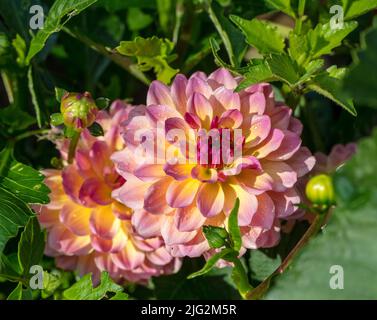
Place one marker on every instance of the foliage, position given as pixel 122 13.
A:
pixel 114 49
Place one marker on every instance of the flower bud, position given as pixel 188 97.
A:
pixel 79 110
pixel 320 191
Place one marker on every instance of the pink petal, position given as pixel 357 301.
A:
pixel 226 98
pixel 178 171
pixel 172 235
pixel 159 93
pixel 103 223
pixel 282 174
pixel 289 146
pixel 198 85
pixel 302 162
pixel 260 128
pixel 129 258
pixel 65 242
pixel 210 199
pixel 200 106
pixel 254 103
pixel 188 219
pixel 285 202
pixel 159 257
pixel 223 76
pixel 295 126
pixel 181 193
pixel 76 218
pixel 149 172
pixel 147 225
pixel 271 143
pixel 265 215
pixel 248 206
pixel 178 93
pixel 155 199
pixel 280 117
pixel 231 119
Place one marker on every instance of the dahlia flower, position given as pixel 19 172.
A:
pixel 89 231
pixel 178 181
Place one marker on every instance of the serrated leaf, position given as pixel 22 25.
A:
pixel 14 214
pixel 331 88
pixel 361 80
pixel 60 12
pixel 120 296
pixel 284 68
pixel 83 289
pixel 282 5
pixel 234 228
pixel 345 243
pixel 26 183
pixel 137 19
pixel 19 293
pixel 260 34
pixel 211 262
pixel 151 53
pixel 355 8
pixel 51 282
pixel 257 72
pixel 30 246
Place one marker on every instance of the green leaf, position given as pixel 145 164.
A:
pixel 20 46
pixel 211 262
pixel 234 229
pixel 262 265
pixel 165 13
pixel 83 289
pixel 137 19
pixel 15 119
pixel 345 242
pixel 9 268
pixel 34 97
pixel 60 13
pixel 120 296
pixel 26 183
pixel 216 284
pixel 151 53
pixel 260 34
pixel 96 130
pixel 102 103
pixel 284 68
pixel 361 81
pixel 257 72
pixel 330 86
pixel 282 5
pixel 56 119
pixel 19 293
pixel 59 93
pixel 356 8
pixel 51 282
pixel 215 236
pixel 14 214
pixel 30 246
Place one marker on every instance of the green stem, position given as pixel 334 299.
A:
pixel 72 147
pixel 301 11
pixel 224 36
pixel 179 11
pixel 316 225
pixel 120 60
pixel 240 278
pixel 30 133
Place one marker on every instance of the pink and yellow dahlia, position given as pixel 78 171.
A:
pixel 172 188
pixel 89 231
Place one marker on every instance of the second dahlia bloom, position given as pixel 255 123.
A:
pixel 178 197
pixel 89 231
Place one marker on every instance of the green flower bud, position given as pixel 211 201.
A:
pixel 215 236
pixel 78 109
pixel 320 191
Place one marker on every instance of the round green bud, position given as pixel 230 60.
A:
pixel 79 110
pixel 320 191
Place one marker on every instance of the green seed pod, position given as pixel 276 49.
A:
pixel 79 110
pixel 320 191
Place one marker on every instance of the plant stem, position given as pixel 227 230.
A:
pixel 72 147
pixel 30 133
pixel 120 60
pixel 259 291
pixel 224 36
pixel 179 11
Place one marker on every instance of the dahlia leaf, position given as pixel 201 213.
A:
pixel 284 68
pixel 120 296
pixel 234 229
pixel 9 268
pixel 211 262
pixel 262 264
pixel 258 71
pixel 14 214
pixel 60 13
pixel 356 8
pixel 26 183
pixel 83 289
pixel 19 293
pixel 329 85
pixel 361 81
pixel 260 34
pixel 51 282
pixel 282 5
pixel 151 53
pixel 30 246
pixel 215 236
pixel 15 119
pixel 340 263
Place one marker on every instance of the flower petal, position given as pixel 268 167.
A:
pixel 188 219
pixel 76 218
pixel 159 93
pixel 181 193
pixel 103 222
pixel 155 199
pixel 210 200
